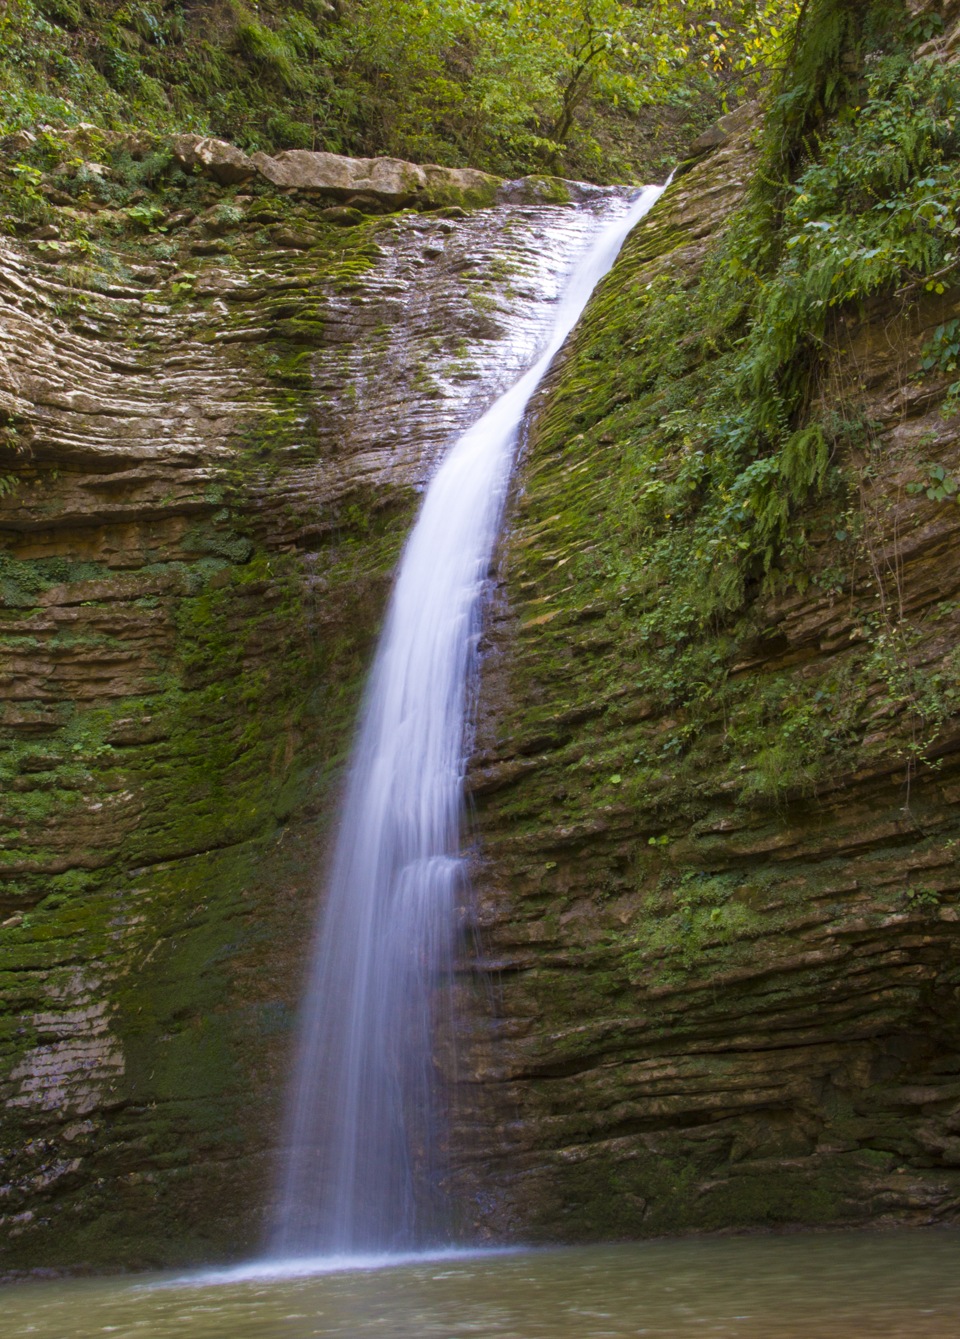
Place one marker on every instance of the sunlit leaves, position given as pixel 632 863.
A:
pixel 505 78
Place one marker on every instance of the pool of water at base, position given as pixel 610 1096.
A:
pixel 892 1285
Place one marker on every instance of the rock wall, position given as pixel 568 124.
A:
pixel 213 442
pixel 725 996
pixel 712 981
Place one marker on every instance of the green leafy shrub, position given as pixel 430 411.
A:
pixel 936 482
pixel 877 207
pixel 269 52
pixel 146 216
pixel 287 133
pixel 529 86
pixel 736 433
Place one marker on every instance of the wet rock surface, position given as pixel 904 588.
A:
pixel 211 456
pixel 209 468
pixel 636 1066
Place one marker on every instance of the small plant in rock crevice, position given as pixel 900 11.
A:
pixel 690 913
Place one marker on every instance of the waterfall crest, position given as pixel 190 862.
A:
pixel 364 1124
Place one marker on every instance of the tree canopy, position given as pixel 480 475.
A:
pixel 578 86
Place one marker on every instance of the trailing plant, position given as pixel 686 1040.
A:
pixel 877 208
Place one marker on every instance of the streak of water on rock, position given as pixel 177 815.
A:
pixel 362 1158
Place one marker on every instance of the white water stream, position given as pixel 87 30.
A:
pixel 364 1130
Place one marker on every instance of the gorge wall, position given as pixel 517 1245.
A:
pixel 712 980
pixel 214 439
pixel 716 839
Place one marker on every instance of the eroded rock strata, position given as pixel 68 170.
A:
pixel 713 982
pixel 727 990
pixel 211 460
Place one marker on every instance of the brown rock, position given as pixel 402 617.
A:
pixel 709 139
pixel 781 1071
pixel 389 182
pixel 151 459
pixel 216 158
pixel 342 215
pixel 387 179
pixel 731 124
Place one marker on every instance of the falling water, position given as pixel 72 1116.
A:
pixel 364 1126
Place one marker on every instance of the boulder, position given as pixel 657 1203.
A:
pixel 540 189
pixel 342 215
pixel 371 185
pixel 741 118
pixel 214 157
pixel 458 186
pixel 376 182
pixel 711 138
pixel 292 238
pixel 19 142
pixel 388 180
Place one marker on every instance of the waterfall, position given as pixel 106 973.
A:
pixel 364 1123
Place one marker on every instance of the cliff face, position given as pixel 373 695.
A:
pixel 214 440
pixel 716 858
pixel 715 781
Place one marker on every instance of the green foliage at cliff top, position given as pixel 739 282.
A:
pixel 740 420
pixel 578 86
pixel 857 195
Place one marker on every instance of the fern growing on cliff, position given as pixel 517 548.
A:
pixel 845 207
pixel 733 401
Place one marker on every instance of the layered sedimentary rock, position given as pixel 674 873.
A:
pixel 708 988
pixel 213 444
pixel 723 996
